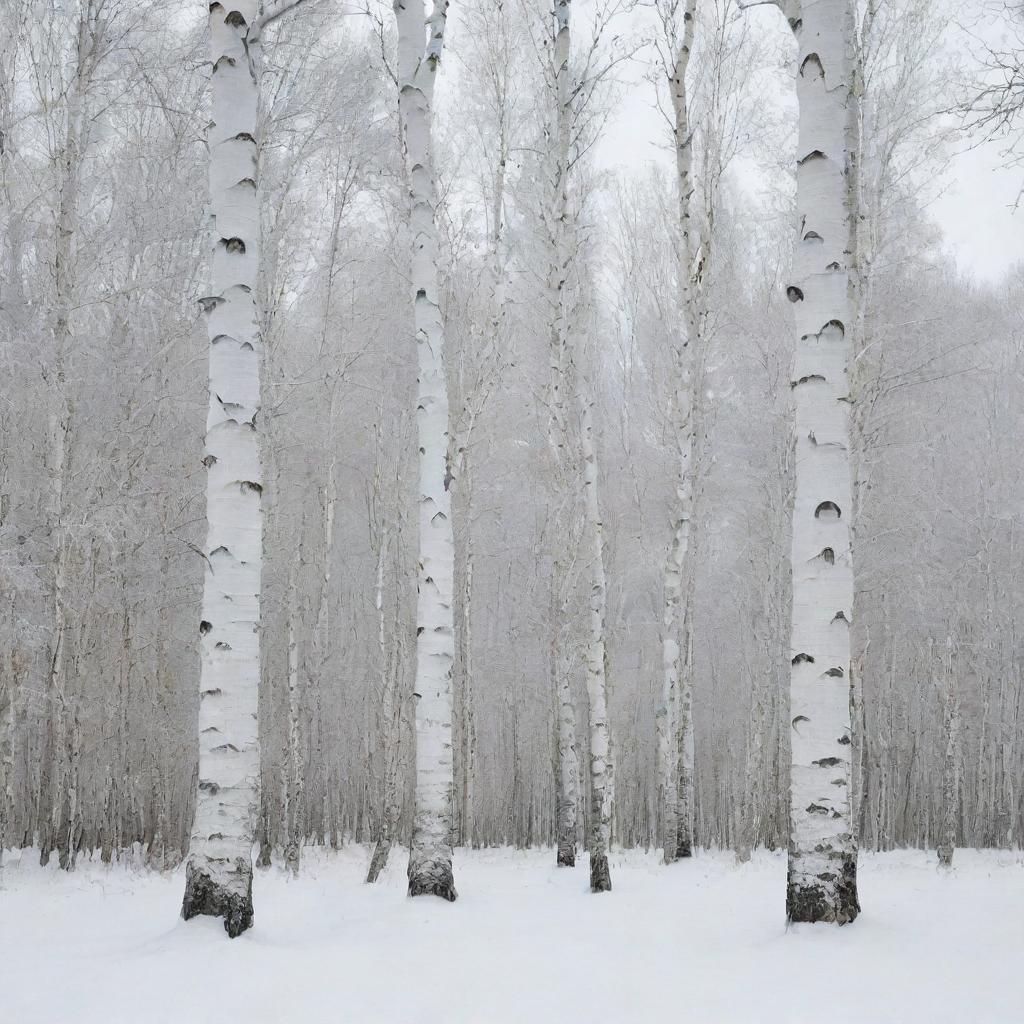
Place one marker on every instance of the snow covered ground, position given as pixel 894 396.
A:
pixel 703 941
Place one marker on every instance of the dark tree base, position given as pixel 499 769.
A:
pixel 833 903
pixel 204 897
pixel 292 856
pixel 378 860
pixel 684 849
pixel 264 858
pixel 566 856
pixel 600 875
pixel 437 881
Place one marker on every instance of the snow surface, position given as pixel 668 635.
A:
pixel 701 941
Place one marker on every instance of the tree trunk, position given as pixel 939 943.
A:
pixel 684 733
pixel 677 767
pixel 601 770
pixel 822 881
pixel 390 722
pixel 750 815
pixel 430 859
pixel 568 764
pixel 467 721
pixel 951 762
pixel 219 876
pixel 294 784
pixel 568 780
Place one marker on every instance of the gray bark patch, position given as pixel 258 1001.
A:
pixel 600 874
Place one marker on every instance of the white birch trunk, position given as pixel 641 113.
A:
pixel 672 595
pixel 568 811
pixel 420 43
pixel 822 882
pixel 467 722
pixel 9 698
pixel 390 722
pixel 750 818
pixel 219 879
pixel 294 783
pixel 665 752
pixel 601 771
pixel 951 762
pixel 562 363
pixel 678 21
pixel 568 758
pixel 684 738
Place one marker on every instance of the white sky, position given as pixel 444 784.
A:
pixel 983 232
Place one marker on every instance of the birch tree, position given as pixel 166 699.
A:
pixel 706 124
pixel 602 779
pixel 420 45
pixel 219 879
pixel 572 92
pixel 677 22
pixel 219 876
pixel 951 758
pixel 822 879
pixel 556 225
pixel 386 526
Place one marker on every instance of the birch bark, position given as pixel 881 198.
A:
pixel 951 761
pixel 565 373
pixel 385 524
pixel 557 218
pixel 420 45
pixel 822 881
pixel 293 787
pixel 601 768
pixel 678 28
pixel 684 740
pixel 568 762
pixel 219 876
pixel 390 716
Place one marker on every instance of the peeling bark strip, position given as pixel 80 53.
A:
pixel 420 44
pixel 219 878
pixel 822 880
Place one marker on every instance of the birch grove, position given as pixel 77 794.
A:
pixel 421 430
